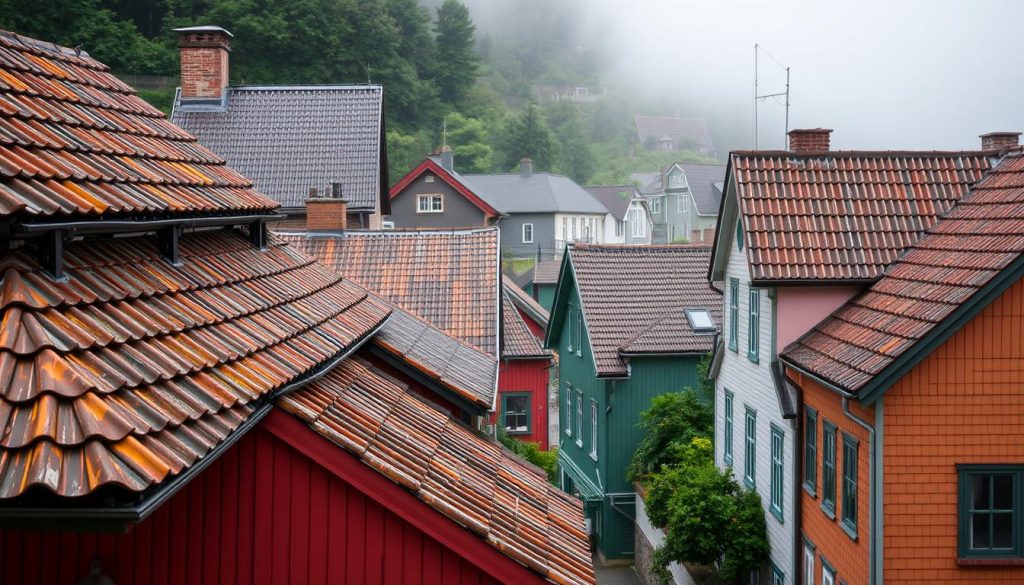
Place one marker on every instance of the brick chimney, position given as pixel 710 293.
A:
pixel 204 62
pixel 327 213
pixel 809 140
pixel 1000 140
pixel 525 167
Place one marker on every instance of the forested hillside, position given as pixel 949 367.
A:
pixel 484 92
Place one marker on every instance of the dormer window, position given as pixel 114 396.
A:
pixel 700 320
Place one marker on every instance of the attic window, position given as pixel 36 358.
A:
pixel 428 179
pixel 700 320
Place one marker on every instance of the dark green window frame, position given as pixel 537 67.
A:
pixel 778 453
pixel 750 447
pixel 753 324
pixel 828 468
pixel 505 396
pixel 729 426
pixel 778 576
pixel 979 511
pixel 734 314
pixel 811 451
pixel 850 461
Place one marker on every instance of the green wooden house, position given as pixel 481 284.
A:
pixel 629 323
pixel 539 281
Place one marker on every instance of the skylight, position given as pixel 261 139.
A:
pixel 700 320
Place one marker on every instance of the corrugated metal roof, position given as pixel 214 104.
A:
pixel 461 474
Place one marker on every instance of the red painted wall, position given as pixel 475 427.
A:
pixel 528 376
pixel 262 513
pixel 534 327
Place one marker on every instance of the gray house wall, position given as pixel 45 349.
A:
pixel 458 211
pixel 543 235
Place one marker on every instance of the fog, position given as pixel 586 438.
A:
pixel 908 74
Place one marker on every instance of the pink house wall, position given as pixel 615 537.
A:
pixel 800 308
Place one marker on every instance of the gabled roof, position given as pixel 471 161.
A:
pixel 133 368
pixel 76 142
pixel 524 302
pixel 453 179
pixel 533 193
pixel 616 198
pixel 963 263
pixel 634 299
pixel 518 342
pixel 681 131
pixel 291 138
pixel 543 272
pixel 702 178
pixel 467 477
pixel 837 216
pixel 449 278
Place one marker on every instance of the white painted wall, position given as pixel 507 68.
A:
pixel 751 385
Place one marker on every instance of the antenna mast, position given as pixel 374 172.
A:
pixel 758 98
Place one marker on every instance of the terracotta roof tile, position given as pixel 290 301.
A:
pixel 133 368
pixel 633 295
pixel 518 341
pixel 521 299
pixel 465 476
pixel 448 278
pixel 843 215
pixel 939 274
pixel 75 140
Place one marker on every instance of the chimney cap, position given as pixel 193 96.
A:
pixel 204 28
pixel 811 131
pixel 1000 134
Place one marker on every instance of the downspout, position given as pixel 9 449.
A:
pixel 873 545
pixel 798 481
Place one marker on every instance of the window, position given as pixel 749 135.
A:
pixel 574 232
pixel 579 417
pixel 655 204
pixel 527 233
pixel 387 225
pixel 593 430
pixel 828 469
pixel 727 439
pixel 700 320
pixel 565 229
pixel 428 178
pixel 430 203
pixel 750 456
pixel 810 450
pixel 579 332
pixel 638 223
pixel 828 574
pixel 739 234
pixel 778 577
pixel 516 411
pixel 753 328
pixel 808 563
pixel 620 228
pixel 778 468
pixel 734 313
pixel 572 327
pixel 990 511
pixel 568 410
pixel 850 484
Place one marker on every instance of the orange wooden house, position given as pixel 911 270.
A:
pixel 913 408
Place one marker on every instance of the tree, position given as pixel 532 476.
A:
pixel 670 425
pixel 455 68
pixel 468 140
pixel 525 134
pixel 576 157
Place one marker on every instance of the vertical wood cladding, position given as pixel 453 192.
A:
pixel 528 376
pixel 262 513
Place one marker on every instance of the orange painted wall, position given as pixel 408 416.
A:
pixel 848 557
pixel 963 404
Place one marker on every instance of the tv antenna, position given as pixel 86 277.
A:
pixel 758 98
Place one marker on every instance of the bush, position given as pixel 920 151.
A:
pixel 546 460
pixel 670 425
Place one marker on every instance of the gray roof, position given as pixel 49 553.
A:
pixel 702 179
pixel 615 197
pixel 533 193
pixel 290 138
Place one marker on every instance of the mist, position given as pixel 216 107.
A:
pixel 912 74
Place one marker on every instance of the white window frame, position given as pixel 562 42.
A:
pixel 656 204
pixel 593 429
pixel 579 417
pixel 809 564
pixel 527 240
pixel 575 233
pixel 565 229
pixel 568 409
pixel 828 575
pixel 430 198
pixel 620 228
pixel 638 223
pixel 428 178
pixel 387 225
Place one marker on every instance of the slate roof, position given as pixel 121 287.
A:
pixel 533 193
pixel 633 298
pixel 76 142
pixel 615 198
pixel 684 132
pixel 518 341
pixel 461 474
pixel 524 302
pixel 701 179
pixel 449 278
pixel 843 215
pixel 291 138
pixel 920 295
pixel 134 368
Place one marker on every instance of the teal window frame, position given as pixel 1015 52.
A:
pixel 753 324
pixel 739 234
pixel 826 569
pixel 967 510
pixel 778 575
pixel 568 409
pixel 750 447
pixel 811 451
pixel 730 408
pixel 579 418
pixel 505 396
pixel 778 452
pixel 828 468
pixel 851 459
pixel 594 411
pixel 734 313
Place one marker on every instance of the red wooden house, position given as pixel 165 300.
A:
pixel 186 400
pixel 525 371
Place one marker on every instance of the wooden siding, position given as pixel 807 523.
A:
pixel 459 212
pixel 530 376
pixel 963 404
pixel 262 513
pixel 534 327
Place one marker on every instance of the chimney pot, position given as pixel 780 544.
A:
pixel 1000 140
pixel 525 167
pixel 810 140
pixel 204 62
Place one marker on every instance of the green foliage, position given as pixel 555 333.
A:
pixel 546 460
pixel 405 152
pixel 575 156
pixel 455 68
pixel 670 425
pixel 681 241
pixel 526 134
pixel 468 139
pixel 710 519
